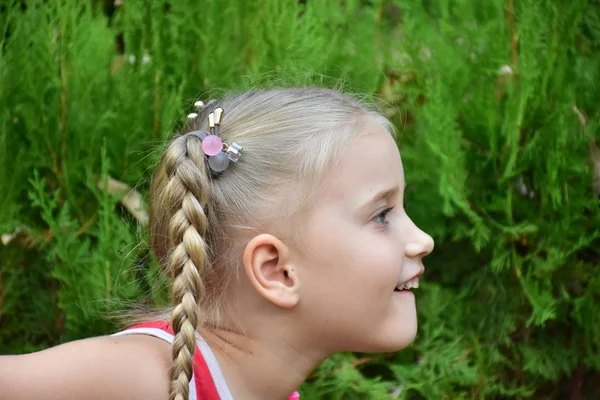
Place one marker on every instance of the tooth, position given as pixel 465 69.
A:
pixel 412 284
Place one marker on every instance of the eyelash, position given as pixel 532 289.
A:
pixel 382 215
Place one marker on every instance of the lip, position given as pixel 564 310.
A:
pixel 418 274
pixel 406 292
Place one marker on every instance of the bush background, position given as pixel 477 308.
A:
pixel 498 107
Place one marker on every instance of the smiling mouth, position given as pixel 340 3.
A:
pixel 407 286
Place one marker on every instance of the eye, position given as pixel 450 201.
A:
pixel 381 217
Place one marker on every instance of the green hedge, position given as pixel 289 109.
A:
pixel 498 108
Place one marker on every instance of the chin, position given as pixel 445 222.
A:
pixel 402 341
pixel 392 340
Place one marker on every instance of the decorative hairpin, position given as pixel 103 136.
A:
pixel 219 154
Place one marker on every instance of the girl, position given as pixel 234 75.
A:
pixel 279 216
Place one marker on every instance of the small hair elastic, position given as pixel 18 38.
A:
pixel 219 154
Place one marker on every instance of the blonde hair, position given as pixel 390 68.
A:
pixel 197 223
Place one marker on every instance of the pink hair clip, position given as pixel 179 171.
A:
pixel 219 154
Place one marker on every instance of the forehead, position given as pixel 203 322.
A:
pixel 370 163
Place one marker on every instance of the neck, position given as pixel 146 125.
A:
pixel 263 363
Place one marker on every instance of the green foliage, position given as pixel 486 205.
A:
pixel 497 106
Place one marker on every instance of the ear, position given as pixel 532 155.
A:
pixel 267 265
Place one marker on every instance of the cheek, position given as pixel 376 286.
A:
pixel 348 258
pixel 361 259
pixel 381 258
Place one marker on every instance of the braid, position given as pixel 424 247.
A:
pixel 187 193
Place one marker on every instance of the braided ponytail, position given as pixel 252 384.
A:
pixel 185 196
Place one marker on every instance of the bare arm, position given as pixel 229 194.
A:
pixel 125 367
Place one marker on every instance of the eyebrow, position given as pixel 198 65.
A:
pixel 383 194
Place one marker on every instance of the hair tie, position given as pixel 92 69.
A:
pixel 219 154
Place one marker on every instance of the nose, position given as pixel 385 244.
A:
pixel 420 244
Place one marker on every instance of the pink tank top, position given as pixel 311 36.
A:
pixel 208 382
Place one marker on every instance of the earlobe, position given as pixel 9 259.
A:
pixel 267 265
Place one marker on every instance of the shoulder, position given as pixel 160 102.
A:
pixel 115 367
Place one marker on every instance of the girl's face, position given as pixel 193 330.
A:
pixel 361 245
